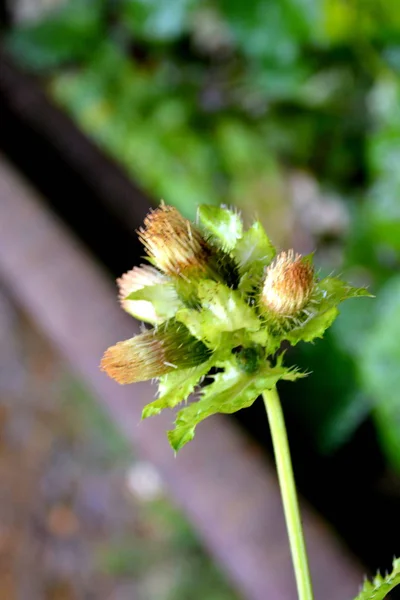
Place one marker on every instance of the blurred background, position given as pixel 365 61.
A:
pixel 286 109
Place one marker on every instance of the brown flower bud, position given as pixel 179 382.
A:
pixel 288 284
pixel 174 244
pixel 154 353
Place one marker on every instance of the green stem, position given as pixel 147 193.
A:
pixel 289 495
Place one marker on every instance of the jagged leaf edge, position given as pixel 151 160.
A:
pixel 331 292
pixel 221 397
pixel 381 584
pixel 175 388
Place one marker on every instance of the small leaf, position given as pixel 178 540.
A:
pixel 381 585
pixel 232 390
pixel 336 291
pixel 323 310
pixel 312 328
pixel 153 303
pixel 175 387
pixel 222 310
pixel 224 226
pixel 253 252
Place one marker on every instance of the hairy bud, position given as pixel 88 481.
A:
pixel 154 353
pixel 174 244
pixel 288 284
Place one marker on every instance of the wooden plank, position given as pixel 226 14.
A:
pixel 221 480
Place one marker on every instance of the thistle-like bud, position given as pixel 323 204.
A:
pixel 174 244
pixel 134 280
pixel 288 285
pixel 154 353
pixel 177 247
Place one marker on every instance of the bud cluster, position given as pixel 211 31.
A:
pixel 218 296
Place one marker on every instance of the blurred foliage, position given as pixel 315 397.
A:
pixel 221 101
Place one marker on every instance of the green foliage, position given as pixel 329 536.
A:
pixel 222 310
pixel 175 387
pixel 379 366
pixel 231 390
pixel 225 227
pixel 381 586
pixel 70 34
pixel 331 292
pixel 162 298
pixel 154 20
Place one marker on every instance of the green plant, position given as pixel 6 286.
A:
pixel 220 298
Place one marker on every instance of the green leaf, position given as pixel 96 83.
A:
pixel 224 226
pixel 175 387
pixel 323 309
pixel 313 328
pixel 381 586
pixel 231 390
pixel 253 252
pixel 154 303
pixel 222 310
pixel 154 21
pixel 68 34
pixel 335 291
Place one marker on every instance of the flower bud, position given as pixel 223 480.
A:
pixel 177 247
pixel 174 244
pixel 154 353
pixel 288 285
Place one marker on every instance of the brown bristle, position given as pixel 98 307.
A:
pixel 288 284
pixel 175 244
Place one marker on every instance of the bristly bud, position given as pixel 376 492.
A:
pixel 154 353
pixel 288 285
pixel 174 244
pixel 177 247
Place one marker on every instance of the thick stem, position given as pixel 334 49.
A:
pixel 289 495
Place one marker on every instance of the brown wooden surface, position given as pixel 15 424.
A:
pixel 221 480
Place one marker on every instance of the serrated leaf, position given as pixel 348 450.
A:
pixel 175 387
pixel 222 310
pixel 160 301
pixel 232 390
pixel 381 586
pixel 312 328
pixel 253 252
pixel 224 226
pixel 323 311
pixel 335 291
